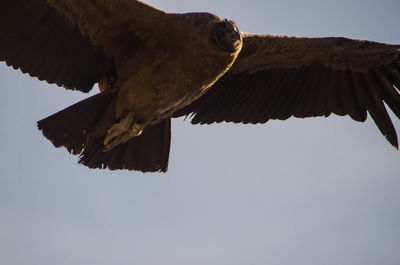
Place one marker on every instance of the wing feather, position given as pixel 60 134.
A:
pixel 378 111
pixel 107 22
pixel 40 41
pixel 277 77
pixel 389 95
pixel 75 43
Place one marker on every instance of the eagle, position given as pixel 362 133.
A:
pixel 152 66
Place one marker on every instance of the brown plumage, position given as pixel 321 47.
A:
pixel 152 65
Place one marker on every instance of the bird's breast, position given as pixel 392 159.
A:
pixel 159 82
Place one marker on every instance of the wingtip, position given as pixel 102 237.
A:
pixel 392 139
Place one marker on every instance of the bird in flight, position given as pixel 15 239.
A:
pixel 152 66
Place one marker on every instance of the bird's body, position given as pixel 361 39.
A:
pixel 153 66
pixel 156 77
pixel 163 79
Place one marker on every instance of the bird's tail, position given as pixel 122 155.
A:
pixel 81 129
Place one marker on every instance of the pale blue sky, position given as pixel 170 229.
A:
pixel 312 191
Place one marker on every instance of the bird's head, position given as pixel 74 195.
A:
pixel 227 36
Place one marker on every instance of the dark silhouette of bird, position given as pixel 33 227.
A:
pixel 152 66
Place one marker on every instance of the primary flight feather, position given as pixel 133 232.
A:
pixel 151 65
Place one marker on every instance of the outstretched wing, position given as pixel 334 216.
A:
pixel 277 77
pixel 72 43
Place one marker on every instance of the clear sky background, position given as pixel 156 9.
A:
pixel 301 191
